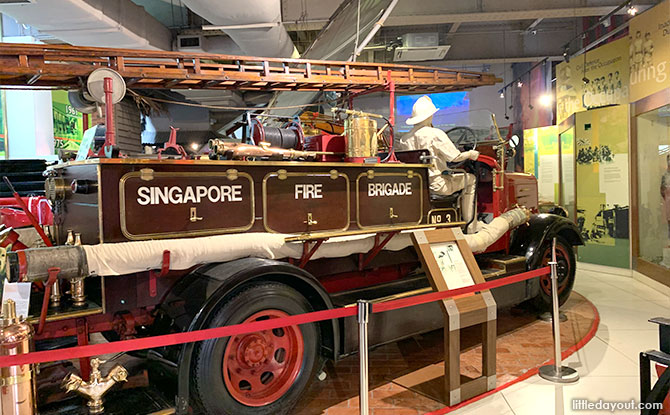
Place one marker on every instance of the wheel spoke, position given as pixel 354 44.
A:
pixel 283 342
pixel 255 382
pixel 236 378
pixel 233 365
pixel 274 366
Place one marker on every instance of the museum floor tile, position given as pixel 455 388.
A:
pixel 607 364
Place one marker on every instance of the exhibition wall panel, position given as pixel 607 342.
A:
pixel 567 194
pixel 541 159
pixel 649 52
pixel 595 79
pixel 602 192
pixel 68 122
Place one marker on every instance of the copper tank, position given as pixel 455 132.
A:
pixel 17 383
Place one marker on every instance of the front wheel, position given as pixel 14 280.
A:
pixel 565 258
pixel 259 373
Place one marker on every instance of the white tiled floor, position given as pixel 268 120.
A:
pixel 607 365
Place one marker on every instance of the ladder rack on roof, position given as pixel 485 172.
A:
pixel 65 66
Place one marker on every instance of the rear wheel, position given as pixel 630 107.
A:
pixel 257 373
pixel 565 258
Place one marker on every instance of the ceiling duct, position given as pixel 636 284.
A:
pixel 255 25
pixel 337 41
pixel 118 23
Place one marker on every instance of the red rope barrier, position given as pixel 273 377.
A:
pixel 165 340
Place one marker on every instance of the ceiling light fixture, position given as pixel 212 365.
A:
pixel 519 84
pixel 546 100
pixel 632 10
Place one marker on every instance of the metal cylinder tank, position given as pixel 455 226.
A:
pixel 361 138
pixel 17 383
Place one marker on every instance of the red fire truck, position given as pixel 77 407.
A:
pixel 264 229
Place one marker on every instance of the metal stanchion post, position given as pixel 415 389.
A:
pixel 363 317
pixel 557 372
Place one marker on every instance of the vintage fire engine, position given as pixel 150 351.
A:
pixel 284 224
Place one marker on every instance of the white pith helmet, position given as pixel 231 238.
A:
pixel 422 109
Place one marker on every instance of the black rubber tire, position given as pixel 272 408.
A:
pixel 208 390
pixel 565 256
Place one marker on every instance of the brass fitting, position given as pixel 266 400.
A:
pixel 55 295
pixel 17 385
pixel 77 284
pixel 97 387
pixel 77 292
pixel 70 237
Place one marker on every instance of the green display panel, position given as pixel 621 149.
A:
pixel 541 160
pixel 567 194
pixel 602 185
pixel 68 127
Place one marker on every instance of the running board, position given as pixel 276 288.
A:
pixel 492 267
pixel 488 273
pixel 502 265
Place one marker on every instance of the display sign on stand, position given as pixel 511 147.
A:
pixel 450 264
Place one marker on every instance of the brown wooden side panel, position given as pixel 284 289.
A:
pixel 306 201
pixel 337 210
pixel 176 204
pixel 389 198
pixel 78 212
pixel 237 216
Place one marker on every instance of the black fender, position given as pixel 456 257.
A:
pixel 527 239
pixel 195 298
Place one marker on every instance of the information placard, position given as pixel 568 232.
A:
pixel 452 265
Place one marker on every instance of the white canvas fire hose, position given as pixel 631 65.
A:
pixel 129 257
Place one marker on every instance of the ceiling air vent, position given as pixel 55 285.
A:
pixel 190 43
pixel 426 53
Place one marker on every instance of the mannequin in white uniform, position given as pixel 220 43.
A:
pixel 425 136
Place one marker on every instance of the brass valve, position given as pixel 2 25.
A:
pixel 97 387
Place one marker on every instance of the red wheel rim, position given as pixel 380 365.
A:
pixel 258 368
pixel 562 269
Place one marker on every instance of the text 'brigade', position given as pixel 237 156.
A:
pixel 389 189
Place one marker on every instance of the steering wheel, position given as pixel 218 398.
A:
pixel 464 138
